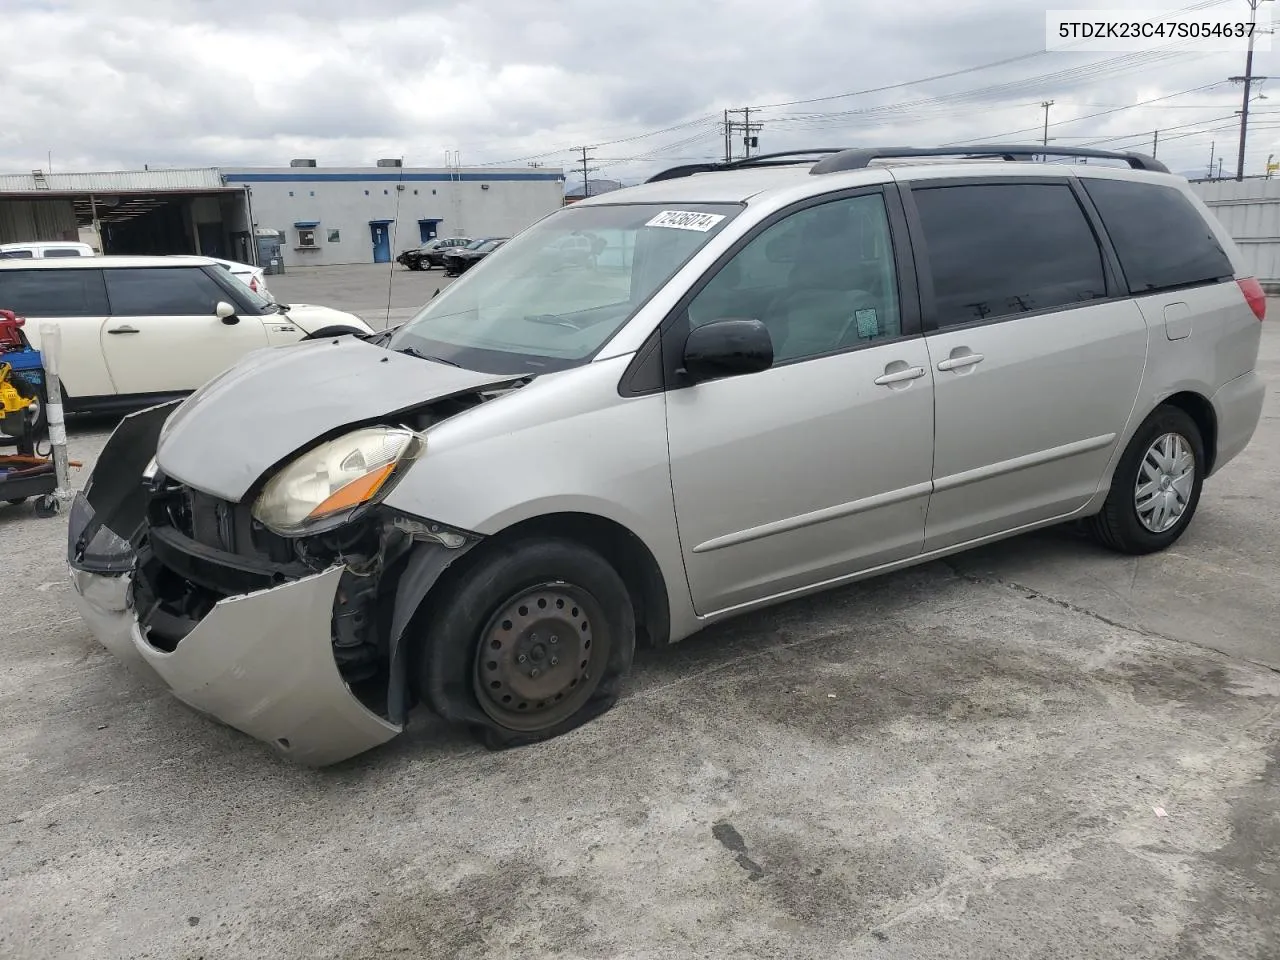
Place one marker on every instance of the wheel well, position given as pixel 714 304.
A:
pixel 1201 411
pixel 625 552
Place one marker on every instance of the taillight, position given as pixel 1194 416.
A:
pixel 253 284
pixel 1252 291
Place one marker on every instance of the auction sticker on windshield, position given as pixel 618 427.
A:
pixel 686 220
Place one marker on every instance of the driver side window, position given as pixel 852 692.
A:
pixel 822 280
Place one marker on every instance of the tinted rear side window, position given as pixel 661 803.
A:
pixel 61 252
pixel 1007 248
pixel 1161 239
pixel 17 254
pixel 157 291
pixel 53 293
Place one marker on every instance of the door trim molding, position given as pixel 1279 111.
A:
pixel 1039 458
pixel 887 499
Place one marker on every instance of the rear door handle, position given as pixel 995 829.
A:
pixel 124 329
pixel 959 363
pixel 910 373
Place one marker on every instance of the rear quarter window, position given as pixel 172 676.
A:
pixel 1160 237
pixel 53 293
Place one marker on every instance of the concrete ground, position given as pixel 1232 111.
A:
pixel 382 294
pixel 1037 750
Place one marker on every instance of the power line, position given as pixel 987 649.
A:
pixel 957 73
pixel 1092 116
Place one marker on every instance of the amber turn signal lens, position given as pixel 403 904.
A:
pixel 354 493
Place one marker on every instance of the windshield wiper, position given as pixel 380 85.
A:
pixel 414 352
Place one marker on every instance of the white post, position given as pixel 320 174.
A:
pixel 51 354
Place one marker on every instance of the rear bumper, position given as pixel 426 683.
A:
pixel 261 662
pixel 1238 408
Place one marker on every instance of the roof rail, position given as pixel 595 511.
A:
pixel 859 158
pixel 783 158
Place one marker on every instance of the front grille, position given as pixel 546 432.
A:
pixel 197 549
pixel 216 523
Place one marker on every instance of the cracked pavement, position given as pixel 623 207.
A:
pixel 1038 749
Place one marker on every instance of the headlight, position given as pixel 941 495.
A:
pixel 334 478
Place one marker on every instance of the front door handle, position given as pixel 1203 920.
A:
pixel 960 362
pixel 124 329
pixel 910 373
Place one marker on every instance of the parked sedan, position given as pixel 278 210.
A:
pixel 431 254
pixel 458 262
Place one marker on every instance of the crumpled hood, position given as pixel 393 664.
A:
pixel 275 401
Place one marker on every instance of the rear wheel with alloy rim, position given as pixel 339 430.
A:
pixel 527 640
pixel 1156 486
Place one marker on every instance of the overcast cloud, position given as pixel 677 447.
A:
pixel 197 83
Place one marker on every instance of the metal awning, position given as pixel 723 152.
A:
pixel 306 224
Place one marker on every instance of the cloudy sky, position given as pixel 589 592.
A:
pixel 202 83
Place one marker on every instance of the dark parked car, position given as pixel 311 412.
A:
pixel 431 254
pixel 457 262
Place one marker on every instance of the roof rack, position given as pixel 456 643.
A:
pixel 858 159
pixel 783 158
pixel 837 159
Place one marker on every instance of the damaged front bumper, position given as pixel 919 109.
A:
pixel 262 663
pixel 302 646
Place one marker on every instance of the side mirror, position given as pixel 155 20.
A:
pixel 226 313
pixel 727 348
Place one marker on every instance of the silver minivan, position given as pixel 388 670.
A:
pixel 777 376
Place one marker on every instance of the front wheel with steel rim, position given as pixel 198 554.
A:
pixel 1156 486
pixel 533 664
pixel 526 640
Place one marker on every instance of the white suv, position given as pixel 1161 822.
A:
pixel 39 250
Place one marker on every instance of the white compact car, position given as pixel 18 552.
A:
pixel 136 330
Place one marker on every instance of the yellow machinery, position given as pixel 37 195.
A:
pixel 12 404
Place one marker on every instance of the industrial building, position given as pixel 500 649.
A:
pixel 132 211
pixel 302 214
pixel 331 215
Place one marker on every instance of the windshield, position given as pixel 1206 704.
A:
pixel 551 297
pixel 476 244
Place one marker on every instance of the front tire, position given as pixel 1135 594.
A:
pixel 1156 487
pixel 532 640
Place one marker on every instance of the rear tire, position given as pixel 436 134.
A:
pixel 1156 487
pixel 533 639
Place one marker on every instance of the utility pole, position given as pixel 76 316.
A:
pixel 728 138
pixel 1247 80
pixel 1212 144
pixel 1219 168
pixel 586 182
pixel 1155 142
pixel 748 129
pixel 1046 104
